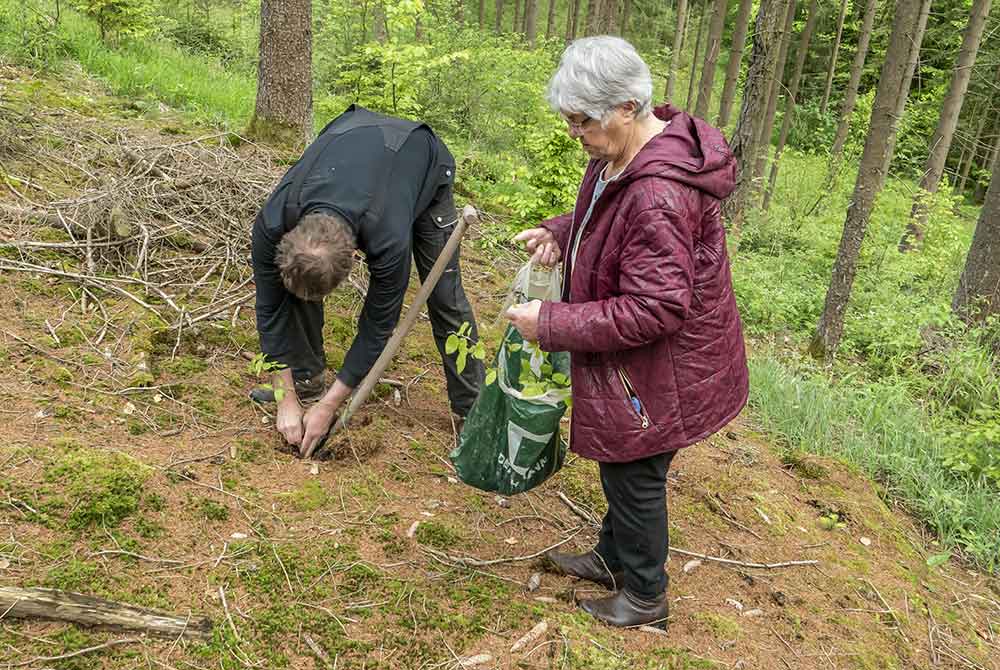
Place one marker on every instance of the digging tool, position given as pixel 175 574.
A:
pixel 467 218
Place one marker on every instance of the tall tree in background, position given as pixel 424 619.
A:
pixel 626 17
pixel 951 109
pixel 550 23
pixel 593 25
pixel 978 294
pixel 851 94
pixel 991 164
pixel 284 75
pixel 767 129
pixel 973 152
pixel 793 91
pixel 712 47
pixel 516 26
pixel 735 60
pixel 833 58
pixel 482 14
pixel 911 68
pixel 694 57
pixel 746 137
pixel 675 52
pixel 609 16
pixel 871 176
pixel 572 16
pixel 498 17
pixel 531 21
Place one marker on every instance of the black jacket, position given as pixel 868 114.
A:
pixel 380 174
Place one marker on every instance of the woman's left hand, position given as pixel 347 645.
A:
pixel 525 319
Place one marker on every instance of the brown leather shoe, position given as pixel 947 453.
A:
pixel 626 610
pixel 589 566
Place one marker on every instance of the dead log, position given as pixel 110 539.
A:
pixel 55 605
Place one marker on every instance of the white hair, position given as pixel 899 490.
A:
pixel 597 74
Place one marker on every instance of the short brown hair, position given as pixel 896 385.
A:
pixel 316 255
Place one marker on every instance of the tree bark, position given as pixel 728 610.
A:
pixel 695 56
pixel 911 68
pixel 626 17
pixel 978 293
pixel 550 24
pixel 593 23
pixel 572 17
pixel 498 17
pixel 283 110
pixel 772 105
pixel 482 14
pixel 833 58
pixel 675 53
pixel 54 605
pixel 990 164
pixel 746 137
pixel 531 21
pixel 378 23
pixel 735 60
pixel 972 155
pixel 712 48
pixel 793 91
pixel 516 25
pixel 851 94
pixel 947 122
pixel 871 176
pixel 609 16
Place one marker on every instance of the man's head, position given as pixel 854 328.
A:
pixel 316 256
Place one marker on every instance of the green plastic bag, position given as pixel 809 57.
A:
pixel 511 443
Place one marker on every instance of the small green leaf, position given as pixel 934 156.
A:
pixel 460 361
pixel 938 559
pixel 560 378
pixel 491 376
pixel 451 344
pixel 479 351
pixel 464 328
pixel 514 347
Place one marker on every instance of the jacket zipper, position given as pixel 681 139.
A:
pixel 633 398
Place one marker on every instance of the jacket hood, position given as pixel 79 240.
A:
pixel 688 150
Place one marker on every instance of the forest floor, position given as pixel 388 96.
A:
pixel 134 467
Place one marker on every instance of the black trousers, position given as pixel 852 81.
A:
pixel 447 306
pixel 633 535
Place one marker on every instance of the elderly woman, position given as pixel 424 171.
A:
pixel 648 313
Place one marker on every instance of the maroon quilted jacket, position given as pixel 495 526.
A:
pixel 648 312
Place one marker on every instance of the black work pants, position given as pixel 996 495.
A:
pixel 633 535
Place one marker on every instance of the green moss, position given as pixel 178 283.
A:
pixel 310 496
pixel 213 511
pixel 437 534
pixel 805 465
pixel 721 626
pixel 184 366
pixel 103 488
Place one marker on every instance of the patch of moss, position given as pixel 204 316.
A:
pixel 102 488
pixel 213 511
pixel 310 496
pixel 805 465
pixel 437 534
pixel 721 626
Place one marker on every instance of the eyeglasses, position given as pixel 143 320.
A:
pixel 578 126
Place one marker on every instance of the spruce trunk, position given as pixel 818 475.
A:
pixel 735 60
pixel 713 46
pixel 772 105
pixel 675 53
pixel 283 110
pixel 833 58
pixel 851 94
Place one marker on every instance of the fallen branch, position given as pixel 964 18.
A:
pixel 742 564
pixel 577 510
pixel 467 561
pixel 55 605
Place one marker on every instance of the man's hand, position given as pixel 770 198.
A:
pixel 525 319
pixel 541 243
pixel 317 423
pixel 320 417
pixel 289 420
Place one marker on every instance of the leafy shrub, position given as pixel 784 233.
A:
pixel 975 449
pixel 117 19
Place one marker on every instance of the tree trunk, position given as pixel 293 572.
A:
pixel 947 122
pixel 695 56
pixel 735 60
pixel 851 94
pixel 911 68
pixel 675 53
pixel 284 75
pixel 516 25
pixel 626 17
pixel 871 176
pixel 53 605
pixel 712 48
pixel 972 155
pixel 482 14
pixel 793 91
pixel 833 58
pixel 531 21
pixel 609 16
pixel 978 294
pixel 990 165
pixel 572 16
pixel 498 17
pixel 772 105
pixel 746 136
pixel 378 23
pixel 550 23
pixel 593 17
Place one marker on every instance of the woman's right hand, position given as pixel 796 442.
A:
pixel 541 243
pixel 289 420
